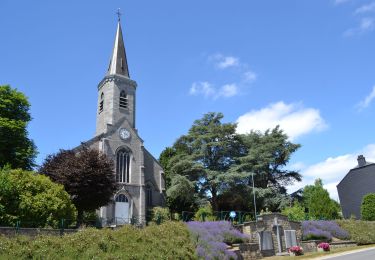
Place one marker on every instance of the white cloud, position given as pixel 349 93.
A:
pixel 333 169
pixel 223 62
pixel 243 78
pixel 202 88
pixel 249 76
pixel 209 91
pixel 367 101
pixel 366 24
pixel 285 115
pixel 297 166
pixel 228 90
pixel 365 8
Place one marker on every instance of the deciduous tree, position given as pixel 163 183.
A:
pixel 16 149
pixel 86 174
pixel 33 199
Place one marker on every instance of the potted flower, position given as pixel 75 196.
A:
pixel 295 250
pixel 323 247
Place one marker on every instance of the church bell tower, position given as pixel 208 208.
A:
pixel 116 92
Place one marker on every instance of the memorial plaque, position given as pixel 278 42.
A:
pixel 247 230
pixel 265 240
pixel 290 238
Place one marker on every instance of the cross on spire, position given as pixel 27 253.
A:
pixel 118 14
pixel 118 64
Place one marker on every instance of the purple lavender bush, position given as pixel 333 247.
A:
pixel 211 239
pixel 322 229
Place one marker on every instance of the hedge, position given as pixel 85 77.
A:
pixel 368 207
pixel 170 240
pixel 362 232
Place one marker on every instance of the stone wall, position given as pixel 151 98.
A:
pixel 312 245
pixel 11 231
pixel 266 223
pixel 246 251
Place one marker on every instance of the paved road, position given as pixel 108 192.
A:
pixel 366 254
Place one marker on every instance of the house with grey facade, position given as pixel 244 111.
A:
pixel 138 173
pixel 359 182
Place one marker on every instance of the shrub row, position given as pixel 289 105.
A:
pixel 170 240
pixel 362 232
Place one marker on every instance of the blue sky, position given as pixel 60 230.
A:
pixel 306 65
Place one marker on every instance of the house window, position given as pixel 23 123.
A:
pixel 123 166
pixel 121 198
pixel 101 104
pixel 123 100
pixel 148 196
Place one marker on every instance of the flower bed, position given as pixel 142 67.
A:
pixel 324 246
pixel 323 230
pixel 211 239
pixel 296 250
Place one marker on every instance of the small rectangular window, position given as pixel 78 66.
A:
pixel 148 197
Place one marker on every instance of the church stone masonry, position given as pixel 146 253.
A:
pixel 139 175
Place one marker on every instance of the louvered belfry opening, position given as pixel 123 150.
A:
pixel 101 104
pixel 123 100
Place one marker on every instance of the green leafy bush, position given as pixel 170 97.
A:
pixel 204 213
pixel 160 215
pixel 368 207
pixel 170 240
pixel 32 199
pixel 362 232
pixel 295 213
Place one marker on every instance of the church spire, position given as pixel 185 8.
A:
pixel 118 64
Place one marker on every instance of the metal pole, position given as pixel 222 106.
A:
pixel 255 205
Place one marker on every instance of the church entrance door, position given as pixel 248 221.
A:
pixel 122 210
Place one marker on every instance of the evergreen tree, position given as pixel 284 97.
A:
pixel 213 163
pixel 267 155
pixel 205 155
pixel 318 203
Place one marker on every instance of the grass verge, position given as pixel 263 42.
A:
pixel 313 255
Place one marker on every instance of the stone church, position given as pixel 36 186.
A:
pixel 138 173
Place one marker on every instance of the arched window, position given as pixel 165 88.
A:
pixel 123 166
pixel 101 104
pixel 148 196
pixel 123 100
pixel 121 198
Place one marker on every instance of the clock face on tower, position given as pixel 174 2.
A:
pixel 124 134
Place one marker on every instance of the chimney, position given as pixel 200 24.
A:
pixel 361 160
